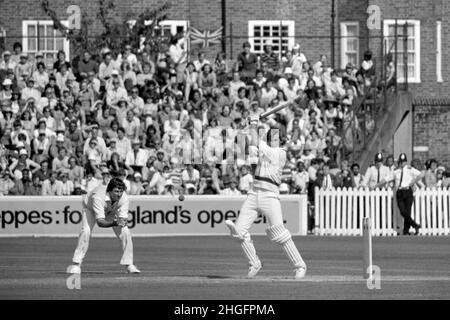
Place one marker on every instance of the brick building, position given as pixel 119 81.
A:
pixel 288 22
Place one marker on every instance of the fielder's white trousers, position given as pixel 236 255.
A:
pixel 89 222
pixel 266 203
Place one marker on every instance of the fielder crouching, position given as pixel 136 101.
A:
pixel 108 207
pixel 264 198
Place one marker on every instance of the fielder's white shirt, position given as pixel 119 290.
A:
pixel 409 174
pixel 100 203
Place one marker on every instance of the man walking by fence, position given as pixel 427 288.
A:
pixel 405 178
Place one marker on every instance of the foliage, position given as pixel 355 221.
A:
pixel 115 30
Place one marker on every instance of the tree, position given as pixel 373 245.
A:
pixel 116 31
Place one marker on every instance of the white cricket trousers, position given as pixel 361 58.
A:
pixel 89 222
pixel 266 203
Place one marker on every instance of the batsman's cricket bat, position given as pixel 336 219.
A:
pixel 274 110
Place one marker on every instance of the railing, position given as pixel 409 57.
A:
pixel 340 211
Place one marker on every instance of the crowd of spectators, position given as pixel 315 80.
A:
pixel 68 127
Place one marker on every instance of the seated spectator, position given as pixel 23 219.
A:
pixel 67 186
pixel 61 162
pixel 136 159
pixel 136 185
pixel 89 183
pixel 232 190
pixel 75 171
pixel 201 61
pixel 6 182
pixel 52 186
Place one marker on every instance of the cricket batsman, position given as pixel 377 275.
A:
pixel 263 198
pixel 106 206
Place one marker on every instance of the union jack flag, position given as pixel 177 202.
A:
pixel 205 38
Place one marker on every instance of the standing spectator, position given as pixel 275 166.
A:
pixel 300 179
pixel 356 176
pixel 430 173
pixel 298 59
pixel 270 58
pixel 178 55
pixel 327 182
pixel 207 80
pixel 247 63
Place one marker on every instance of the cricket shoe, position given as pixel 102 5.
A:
pixel 300 273
pixel 73 269
pixel 253 270
pixel 132 269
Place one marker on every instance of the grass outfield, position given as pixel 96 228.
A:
pixel 189 268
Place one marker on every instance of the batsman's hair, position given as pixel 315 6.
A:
pixel 116 183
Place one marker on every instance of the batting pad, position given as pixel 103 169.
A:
pixel 250 252
pixel 282 236
pixel 246 244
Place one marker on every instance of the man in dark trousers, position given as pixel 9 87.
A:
pixel 405 178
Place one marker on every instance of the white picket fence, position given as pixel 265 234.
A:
pixel 340 211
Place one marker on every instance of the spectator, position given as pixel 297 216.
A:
pixel 136 159
pixel 201 61
pixel 6 183
pixel 270 58
pixel 86 66
pixel 90 182
pixel 52 186
pixel 430 173
pixel 232 190
pixel 67 187
pixel 300 179
pixel 247 63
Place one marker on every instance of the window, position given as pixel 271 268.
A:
pixel 412 50
pixel 349 43
pixel 40 36
pixel 278 32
